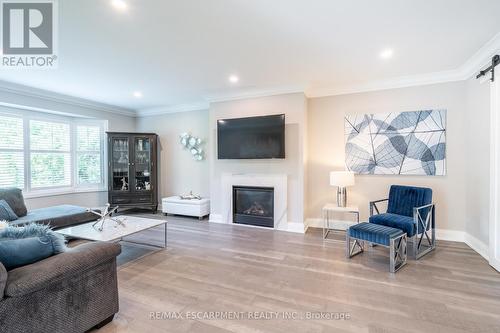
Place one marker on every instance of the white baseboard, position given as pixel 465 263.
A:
pixel 215 218
pixel 464 237
pixel 450 235
pixel 495 264
pixel 296 227
pixel 477 246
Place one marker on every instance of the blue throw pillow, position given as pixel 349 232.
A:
pixel 6 212
pixel 21 246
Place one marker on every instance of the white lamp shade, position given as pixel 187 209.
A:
pixel 341 178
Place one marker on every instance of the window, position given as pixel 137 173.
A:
pixel 50 159
pixel 53 154
pixel 88 154
pixel 11 152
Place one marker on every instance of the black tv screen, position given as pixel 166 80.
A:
pixel 251 138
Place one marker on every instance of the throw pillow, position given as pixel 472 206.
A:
pixel 14 197
pixel 6 213
pixel 21 246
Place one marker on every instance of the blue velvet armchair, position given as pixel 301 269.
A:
pixel 409 209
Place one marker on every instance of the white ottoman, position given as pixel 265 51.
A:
pixel 176 205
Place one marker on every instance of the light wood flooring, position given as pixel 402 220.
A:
pixel 215 267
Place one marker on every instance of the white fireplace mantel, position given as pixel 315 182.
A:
pixel 276 181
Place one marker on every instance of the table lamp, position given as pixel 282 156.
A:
pixel 341 179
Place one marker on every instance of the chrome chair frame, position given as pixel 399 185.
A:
pixel 428 223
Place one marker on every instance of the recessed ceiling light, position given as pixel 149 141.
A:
pixel 233 79
pixel 119 4
pixel 137 94
pixel 386 54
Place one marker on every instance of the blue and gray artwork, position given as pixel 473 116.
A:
pixel 405 143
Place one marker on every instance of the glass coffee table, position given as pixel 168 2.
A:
pixel 114 232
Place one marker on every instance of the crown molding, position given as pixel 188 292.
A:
pixel 394 83
pixel 25 91
pixel 173 109
pixel 217 98
pixel 467 70
pixel 255 93
pixel 481 58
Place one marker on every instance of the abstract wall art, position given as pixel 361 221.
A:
pixel 403 143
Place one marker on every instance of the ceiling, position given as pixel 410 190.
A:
pixel 182 52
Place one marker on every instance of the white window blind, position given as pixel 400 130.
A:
pixel 11 152
pixel 50 158
pixel 44 154
pixel 88 155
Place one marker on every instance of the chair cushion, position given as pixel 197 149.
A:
pixel 402 199
pixel 402 222
pixel 6 213
pixel 58 216
pixel 15 199
pixel 21 246
pixel 374 233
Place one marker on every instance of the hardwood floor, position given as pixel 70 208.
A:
pixel 217 268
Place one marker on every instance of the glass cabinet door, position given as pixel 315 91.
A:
pixel 142 164
pixel 120 164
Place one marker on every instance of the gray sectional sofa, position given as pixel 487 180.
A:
pixel 74 291
pixel 69 292
pixel 55 216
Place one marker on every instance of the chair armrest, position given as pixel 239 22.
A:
pixel 3 279
pixel 28 279
pixel 373 205
pixel 418 218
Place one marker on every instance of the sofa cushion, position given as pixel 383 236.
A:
pixel 401 222
pixel 14 198
pixel 21 246
pixel 58 216
pixel 6 213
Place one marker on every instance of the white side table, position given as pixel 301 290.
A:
pixel 330 209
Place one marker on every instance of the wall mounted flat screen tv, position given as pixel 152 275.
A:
pixel 251 138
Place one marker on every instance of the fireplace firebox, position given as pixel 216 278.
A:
pixel 253 206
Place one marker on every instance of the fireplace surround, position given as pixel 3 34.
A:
pixel 253 206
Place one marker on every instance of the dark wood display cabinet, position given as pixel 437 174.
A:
pixel 132 170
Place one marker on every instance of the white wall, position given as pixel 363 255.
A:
pixel 477 159
pixel 294 108
pixel 326 149
pixel 179 173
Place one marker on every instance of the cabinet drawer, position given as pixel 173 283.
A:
pixel 143 199
pixel 121 200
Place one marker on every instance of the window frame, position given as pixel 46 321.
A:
pixel 73 122
pixel 23 150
